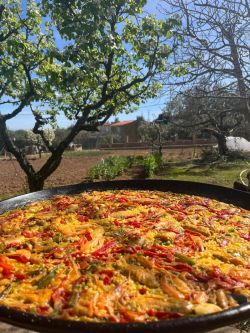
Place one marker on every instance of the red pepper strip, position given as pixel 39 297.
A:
pixel 179 268
pixel 27 234
pixel 237 224
pixel 19 257
pixel 20 276
pixel 123 250
pixel 60 296
pixel 16 245
pixel 159 251
pixel 245 236
pixel 110 197
pixel 130 316
pixel 180 217
pixel 42 234
pixel 42 310
pixel 194 232
pixel 107 246
pixel 108 272
pixel 156 247
pixel 174 230
pixel 88 235
pixel 52 252
pixel 163 314
pixel 6 267
pixel 225 212
pixel 107 280
pixel 221 280
pixel 45 234
pixel 134 224
pixel 151 254
pixel 183 267
pixel 83 218
pixel 122 199
pixel 62 205
pixel 113 319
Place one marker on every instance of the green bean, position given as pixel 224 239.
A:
pixel 185 259
pixel 45 280
pixel 75 294
pixel 6 291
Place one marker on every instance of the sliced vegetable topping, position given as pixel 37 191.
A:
pixel 124 256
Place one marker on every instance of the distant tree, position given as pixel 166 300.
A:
pixel 38 141
pixel 19 137
pixel 193 113
pixel 154 134
pixel 217 45
pixel 60 135
pixel 111 58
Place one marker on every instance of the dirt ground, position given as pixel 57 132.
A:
pixel 72 170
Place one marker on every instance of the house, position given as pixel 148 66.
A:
pixel 125 131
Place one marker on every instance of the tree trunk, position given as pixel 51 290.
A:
pixel 35 183
pixel 36 179
pixel 221 140
pixel 160 150
pixel 222 146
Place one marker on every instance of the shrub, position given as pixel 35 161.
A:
pixel 209 155
pixel 110 167
pixel 152 164
pixel 234 155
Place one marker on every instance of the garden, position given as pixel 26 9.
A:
pixel 97 165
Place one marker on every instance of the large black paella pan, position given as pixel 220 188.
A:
pixel 195 324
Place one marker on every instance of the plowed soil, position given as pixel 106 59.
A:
pixel 72 170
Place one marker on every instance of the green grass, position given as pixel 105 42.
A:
pixel 220 174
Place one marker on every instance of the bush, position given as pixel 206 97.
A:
pixel 110 167
pixel 212 155
pixel 152 164
pixel 209 155
pixel 234 155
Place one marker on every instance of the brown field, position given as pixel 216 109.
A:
pixel 73 168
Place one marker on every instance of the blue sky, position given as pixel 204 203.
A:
pixel 148 110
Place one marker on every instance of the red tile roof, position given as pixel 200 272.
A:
pixel 122 123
